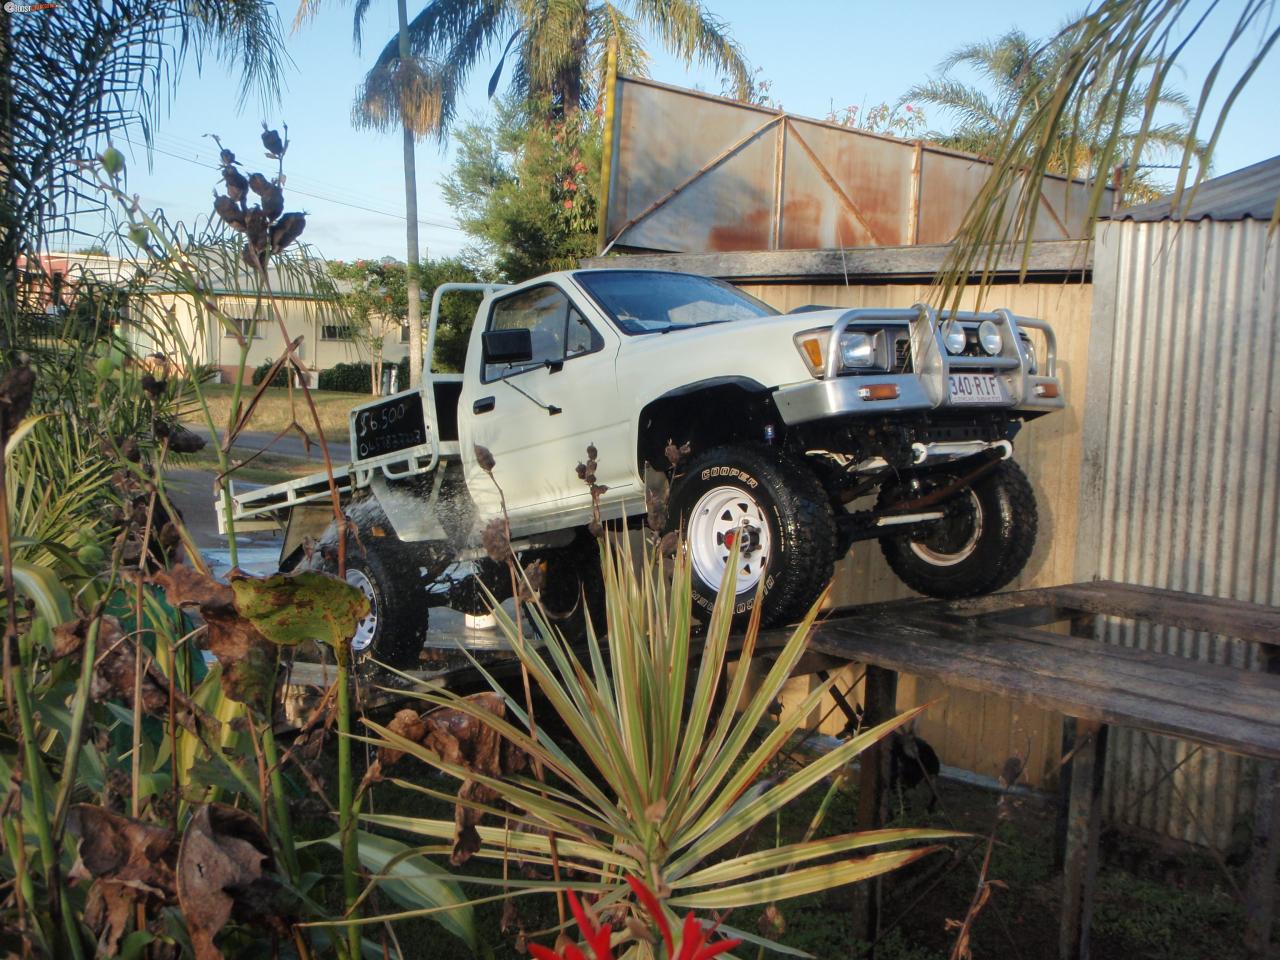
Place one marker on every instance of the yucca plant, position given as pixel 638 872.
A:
pixel 666 785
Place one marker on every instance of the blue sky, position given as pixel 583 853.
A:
pixel 815 55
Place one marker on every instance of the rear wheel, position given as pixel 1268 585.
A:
pixel 777 514
pixel 573 588
pixel 396 627
pixel 982 543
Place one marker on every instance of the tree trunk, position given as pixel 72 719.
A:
pixel 411 225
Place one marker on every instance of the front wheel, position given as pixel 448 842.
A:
pixel 982 543
pixel 778 515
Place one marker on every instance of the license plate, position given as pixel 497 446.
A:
pixel 976 388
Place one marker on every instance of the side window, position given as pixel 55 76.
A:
pixel 557 330
pixel 580 338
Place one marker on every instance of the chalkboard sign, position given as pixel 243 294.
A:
pixel 396 423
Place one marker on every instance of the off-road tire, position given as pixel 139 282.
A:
pixel 573 588
pixel 997 555
pixel 398 601
pixel 800 520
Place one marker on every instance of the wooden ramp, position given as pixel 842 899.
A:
pixel 1005 644
pixel 1041 646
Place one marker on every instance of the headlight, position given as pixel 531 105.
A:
pixel 1029 349
pixel 858 350
pixel 953 336
pixel 989 337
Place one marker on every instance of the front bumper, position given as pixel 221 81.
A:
pixel 822 399
pixel 928 385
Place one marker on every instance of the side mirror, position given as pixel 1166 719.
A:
pixel 507 346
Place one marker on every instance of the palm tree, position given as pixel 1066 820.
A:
pixel 1014 66
pixel 559 51
pixel 400 92
pixel 1120 55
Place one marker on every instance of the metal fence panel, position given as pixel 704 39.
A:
pixel 1182 477
pixel 695 173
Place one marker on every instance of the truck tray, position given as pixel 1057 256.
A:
pixel 268 507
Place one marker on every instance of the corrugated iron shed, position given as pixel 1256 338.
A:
pixel 1248 194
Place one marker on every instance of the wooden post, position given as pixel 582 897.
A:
pixel 1264 852
pixel 607 147
pixel 1082 625
pixel 1080 859
pixel 881 689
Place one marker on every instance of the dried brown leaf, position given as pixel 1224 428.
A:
pixel 225 870
pixel 495 540
pixel 248 658
pixel 112 847
pixel 468 742
pixel 408 724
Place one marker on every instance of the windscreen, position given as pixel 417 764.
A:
pixel 651 301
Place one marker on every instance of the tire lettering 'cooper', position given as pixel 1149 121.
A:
pixel 742 606
pixel 731 472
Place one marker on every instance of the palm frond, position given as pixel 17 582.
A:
pixel 692 32
pixel 609 24
pixel 402 93
pixel 1107 54
pixel 972 109
pixel 98 70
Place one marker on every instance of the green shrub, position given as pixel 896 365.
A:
pixel 355 377
pixel 347 377
pixel 281 379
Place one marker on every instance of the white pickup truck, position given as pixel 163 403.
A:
pixel 799 434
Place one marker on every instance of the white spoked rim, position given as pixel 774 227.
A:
pixel 719 518
pixel 367 627
pixel 939 558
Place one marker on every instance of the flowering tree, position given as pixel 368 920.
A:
pixel 905 120
pixel 525 187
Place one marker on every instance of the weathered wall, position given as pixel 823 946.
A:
pixel 969 730
pixel 209 343
pixel 1182 460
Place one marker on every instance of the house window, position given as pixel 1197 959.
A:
pixel 247 326
pixel 337 331
pixel 404 333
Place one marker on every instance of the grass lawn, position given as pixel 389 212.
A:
pixel 266 468
pixel 275 412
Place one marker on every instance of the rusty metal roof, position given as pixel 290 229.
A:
pixel 1251 193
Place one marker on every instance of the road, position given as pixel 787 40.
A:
pixel 290 445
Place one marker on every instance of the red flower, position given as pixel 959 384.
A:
pixel 693 939
pixel 570 186
pixel 568 204
pixel 597 938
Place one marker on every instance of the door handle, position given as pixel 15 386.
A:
pixel 483 405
